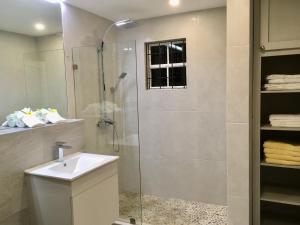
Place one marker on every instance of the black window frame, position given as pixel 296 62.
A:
pixel 171 54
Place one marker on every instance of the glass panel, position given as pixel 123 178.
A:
pixel 158 55
pixel 177 76
pixel 159 77
pixel 177 52
pixel 116 101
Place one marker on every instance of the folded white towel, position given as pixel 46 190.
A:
pixel 11 120
pixel 285 120
pixel 285 124
pixel 285 117
pixel 27 118
pixel 42 115
pixel 284 81
pixel 281 87
pixel 32 121
pixel 281 76
pixel 54 117
pixel 20 122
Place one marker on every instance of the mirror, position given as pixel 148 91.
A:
pixel 32 67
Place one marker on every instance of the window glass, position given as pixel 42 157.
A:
pixel 159 77
pixel 177 52
pixel 158 55
pixel 177 76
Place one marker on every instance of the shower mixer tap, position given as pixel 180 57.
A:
pixel 106 122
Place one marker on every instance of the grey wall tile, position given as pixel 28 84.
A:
pixel 238 84
pixel 195 180
pixel 239 212
pixel 238 22
pixel 238 163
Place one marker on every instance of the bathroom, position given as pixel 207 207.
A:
pixel 162 112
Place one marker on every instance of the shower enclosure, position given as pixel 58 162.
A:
pixel 109 105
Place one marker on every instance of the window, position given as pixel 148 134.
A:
pixel 166 64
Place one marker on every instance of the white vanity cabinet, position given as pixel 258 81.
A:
pixel 98 204
pixel 280 27
pixel 91 199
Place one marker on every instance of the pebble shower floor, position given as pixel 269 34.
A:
pixel 160 211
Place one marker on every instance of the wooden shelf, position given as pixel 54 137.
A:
pixel 281 195
pixel 280 92
pixel 279 220
pixel 269 127
pixel 263 163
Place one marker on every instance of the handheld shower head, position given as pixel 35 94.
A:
pixel 123 75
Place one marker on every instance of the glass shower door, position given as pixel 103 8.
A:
pixel 112 97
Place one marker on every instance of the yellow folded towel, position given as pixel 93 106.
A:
pixel 282 145
pixel 281 152
pixel 282 162
pixel 283 157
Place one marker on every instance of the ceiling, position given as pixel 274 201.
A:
pixel 141 9
pixel 20 16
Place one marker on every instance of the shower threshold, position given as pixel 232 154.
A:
pixel 123 222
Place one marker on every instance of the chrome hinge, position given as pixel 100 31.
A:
pixel 75 67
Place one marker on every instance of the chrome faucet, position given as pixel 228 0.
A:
pixel 61 147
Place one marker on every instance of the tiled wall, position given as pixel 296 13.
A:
pixel 23 150
pixel 183 131
pixel 238 110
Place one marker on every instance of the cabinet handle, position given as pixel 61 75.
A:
pixel 262 47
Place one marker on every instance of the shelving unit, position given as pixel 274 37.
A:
pixel 276 188
pixel 276 197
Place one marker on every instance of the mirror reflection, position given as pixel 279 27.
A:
pixel 32 68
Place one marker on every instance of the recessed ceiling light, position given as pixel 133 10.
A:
pixel 55 1
pixel 39 26
pixel 174 3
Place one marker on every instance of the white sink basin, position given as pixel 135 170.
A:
pixel 74 166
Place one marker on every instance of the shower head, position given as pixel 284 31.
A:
pixel 123 75
pixel 127 23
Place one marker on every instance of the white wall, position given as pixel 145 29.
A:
pixel 183 132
